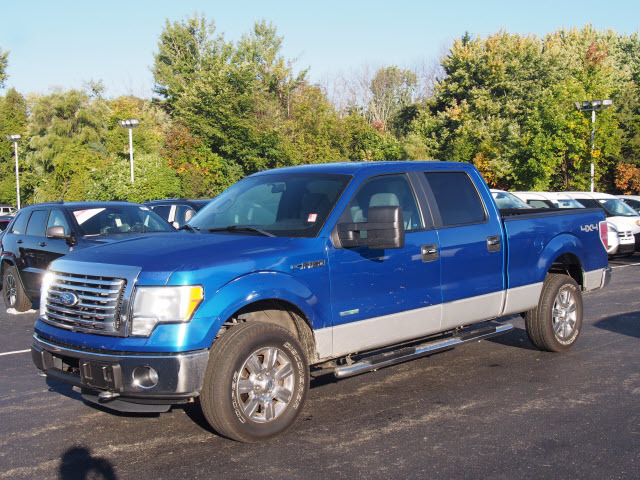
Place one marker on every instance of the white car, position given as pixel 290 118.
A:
pixel 619 241
pixel 632 200
pixel 625 219
pixel 548 200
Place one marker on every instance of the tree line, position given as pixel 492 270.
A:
pixel 222 110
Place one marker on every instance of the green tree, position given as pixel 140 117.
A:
pixel 153 178
pixel 66 134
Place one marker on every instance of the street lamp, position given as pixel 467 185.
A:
pixel 592 106
pixel 14 139
pixel 130 125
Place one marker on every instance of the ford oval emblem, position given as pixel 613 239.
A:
pixel 68 299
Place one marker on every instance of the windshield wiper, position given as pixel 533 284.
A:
pixel 186 226
pixel 240 228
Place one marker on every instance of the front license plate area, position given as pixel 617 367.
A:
pixel 99 375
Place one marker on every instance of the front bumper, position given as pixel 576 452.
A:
pixel 121 381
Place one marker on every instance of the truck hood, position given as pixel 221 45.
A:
pixel 160 254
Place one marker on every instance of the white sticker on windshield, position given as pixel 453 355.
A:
pixel 312 217
pixel 84 215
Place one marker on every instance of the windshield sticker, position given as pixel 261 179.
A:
pixel 312 217
pixel 84 215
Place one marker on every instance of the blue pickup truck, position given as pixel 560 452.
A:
pixel 349 267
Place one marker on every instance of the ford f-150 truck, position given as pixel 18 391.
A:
pixel 350 267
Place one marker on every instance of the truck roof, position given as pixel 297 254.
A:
pixel 352 168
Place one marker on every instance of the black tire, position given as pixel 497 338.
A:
pixel 556 333
pixel 234 382
pixel 12 291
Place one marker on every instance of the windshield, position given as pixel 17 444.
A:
pixel 118 219
pixel 615 206
pixel 284 205
pixel 506 200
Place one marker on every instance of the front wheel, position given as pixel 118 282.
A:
pixel 256 382
pixel 555 324
pixel 14 295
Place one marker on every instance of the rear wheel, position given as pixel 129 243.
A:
pixel 14 295
pixel 256 382
pixel 555 324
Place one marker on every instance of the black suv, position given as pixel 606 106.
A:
pixel 43 232
pixel 178 210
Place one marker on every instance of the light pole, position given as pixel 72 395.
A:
pixel 14 139
pixel 592 106
pixel 130 125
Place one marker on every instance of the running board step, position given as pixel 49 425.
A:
pixel 409 353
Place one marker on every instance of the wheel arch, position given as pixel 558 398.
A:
pixel 279 312
pixel 569 264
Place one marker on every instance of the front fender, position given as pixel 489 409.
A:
pixel 266 285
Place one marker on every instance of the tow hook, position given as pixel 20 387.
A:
pixel 106 396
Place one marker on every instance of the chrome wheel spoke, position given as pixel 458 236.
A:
pixel 557 312
pixel 282 394
pixel 245 385
pixel 269 411
pixel 251 406
pixel 284 372
pixel 270 358
pixel 558 326
pixel 253 364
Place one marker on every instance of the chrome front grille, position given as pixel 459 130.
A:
pixel 85 302
pixel 627 234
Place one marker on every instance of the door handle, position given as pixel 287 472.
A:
pixel 429 253
pixel 19 240
pixel 42 244
pixel 493 244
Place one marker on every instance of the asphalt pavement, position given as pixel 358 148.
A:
pixel 496 409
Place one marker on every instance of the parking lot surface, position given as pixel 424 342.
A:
pixel 495 409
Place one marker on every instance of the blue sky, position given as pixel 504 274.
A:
pixel 64 43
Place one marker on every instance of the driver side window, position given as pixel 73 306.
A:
pixel 385 191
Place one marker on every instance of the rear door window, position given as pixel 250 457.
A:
pixel 20 225
pixel 37 223
pixel 457 198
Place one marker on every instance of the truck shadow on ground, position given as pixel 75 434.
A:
pixel 515 338
pixel 625 324
pixel 78 463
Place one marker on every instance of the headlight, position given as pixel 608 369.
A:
pixel 155 305
pixel 47 280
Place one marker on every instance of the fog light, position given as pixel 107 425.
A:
pixel 145 377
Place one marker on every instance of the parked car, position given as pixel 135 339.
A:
pixel 43 232
pixel 319 265
pixel 548 200
pixel 7 209
pixel 625 218
pixel 177 211
pixel 505 200
pixel 622 242
pixel 4 222
pixel 632 200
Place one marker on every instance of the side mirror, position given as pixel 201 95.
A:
pixel 56 232
pixel 384 229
